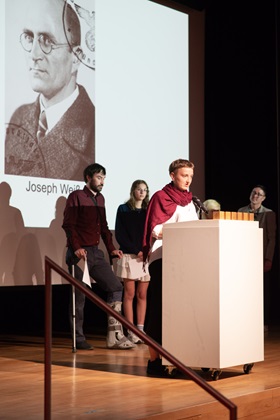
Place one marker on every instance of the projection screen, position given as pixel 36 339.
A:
pixel 133 73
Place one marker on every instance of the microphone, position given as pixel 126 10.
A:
pixel 199 204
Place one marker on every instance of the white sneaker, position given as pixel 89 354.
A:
pixel 134 338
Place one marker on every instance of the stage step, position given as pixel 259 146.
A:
pixel 260 405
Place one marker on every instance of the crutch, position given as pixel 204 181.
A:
pixel 74 350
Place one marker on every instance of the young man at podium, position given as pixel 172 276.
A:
pixel 172 204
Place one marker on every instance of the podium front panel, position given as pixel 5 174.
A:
pixel 213 292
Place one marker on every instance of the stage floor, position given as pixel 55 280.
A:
pixel 112 384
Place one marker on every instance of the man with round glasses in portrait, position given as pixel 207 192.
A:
pixel 54 136
pixel 267 221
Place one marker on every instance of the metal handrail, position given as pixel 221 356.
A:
pixel 51 265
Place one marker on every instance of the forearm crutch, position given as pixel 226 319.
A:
pixel 74 350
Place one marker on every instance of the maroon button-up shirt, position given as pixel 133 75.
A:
pixel 85 220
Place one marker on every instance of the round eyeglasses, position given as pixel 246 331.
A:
pixel 46 45
pixel 257 193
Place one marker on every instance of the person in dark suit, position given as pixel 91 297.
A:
pixel 267 222
pixel 54 136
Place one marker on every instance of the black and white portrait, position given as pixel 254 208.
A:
pixel 49 82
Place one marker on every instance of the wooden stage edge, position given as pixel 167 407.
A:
pixel 112 384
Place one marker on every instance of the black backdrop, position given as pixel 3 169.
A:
pixel 242 108
pixel 241 140
pixel 240 104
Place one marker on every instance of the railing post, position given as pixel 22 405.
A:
pixel 48 341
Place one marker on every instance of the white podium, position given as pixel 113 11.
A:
pixel 213 292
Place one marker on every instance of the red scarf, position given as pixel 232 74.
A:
pixel 161 207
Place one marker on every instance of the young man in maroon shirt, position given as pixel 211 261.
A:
pixel 84 224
